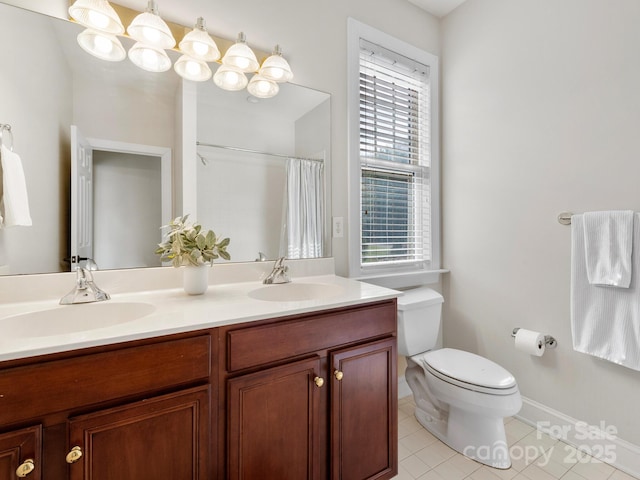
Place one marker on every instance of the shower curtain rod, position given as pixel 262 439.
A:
pixel 247 150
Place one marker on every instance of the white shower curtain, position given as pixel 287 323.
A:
pixel 304 208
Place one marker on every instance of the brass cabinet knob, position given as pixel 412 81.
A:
pixel 26 468
pixel 338 374
pixel 74 455
pixel 319 381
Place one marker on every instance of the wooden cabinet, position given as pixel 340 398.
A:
pixel 312 397
pixel 273 422
pixel 364 416
pixel 135 411
pixel 20 454
pixel 163 437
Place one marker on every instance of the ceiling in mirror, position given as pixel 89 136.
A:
pixel 132 120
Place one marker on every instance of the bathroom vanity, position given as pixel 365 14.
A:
pixel 310 392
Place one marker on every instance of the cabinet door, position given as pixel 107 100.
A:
pixel 273 423
pixel 364 426
pixel 163 437
pixel 20 454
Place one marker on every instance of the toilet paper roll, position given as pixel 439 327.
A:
pixel 530 342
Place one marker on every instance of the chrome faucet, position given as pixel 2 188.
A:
pixel 279 274
pixel 85 291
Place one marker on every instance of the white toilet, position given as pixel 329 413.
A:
pixel 461 398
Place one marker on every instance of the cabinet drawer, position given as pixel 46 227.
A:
pixel 101 377
pixel 258 345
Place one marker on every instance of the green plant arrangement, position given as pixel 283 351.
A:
pixel 188 244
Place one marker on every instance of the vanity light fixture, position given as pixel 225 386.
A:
pixel 276 68
pixel 153 36
pixel 192 69
pixel 148 28
pixel 97 15
pixel 149 58
pixel 198 43
pixel 102 45
pixel 262 87
pixel 229 78
pixel 240 56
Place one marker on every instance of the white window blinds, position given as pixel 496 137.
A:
pixel 394 159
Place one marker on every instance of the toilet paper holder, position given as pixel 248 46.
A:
pixel 549 341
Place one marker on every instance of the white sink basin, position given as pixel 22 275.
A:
pixel 72 319
pixel 295 292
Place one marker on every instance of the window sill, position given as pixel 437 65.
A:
pixel 403 280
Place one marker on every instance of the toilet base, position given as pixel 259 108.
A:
pixel 481 438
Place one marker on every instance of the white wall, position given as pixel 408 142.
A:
pixel 40 123
pixel 541 113
pixel 126 219
pixel 120 113
pixel 256 183
pixel 55 8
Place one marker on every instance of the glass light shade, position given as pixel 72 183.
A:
pixel 149 58
pixel 150 29
pixel 192 69
pixel 199 44
pixel 102 45
pixel 97 15
pixel 262 87
pixel 240 56
pixel 228 78
pixel 276 68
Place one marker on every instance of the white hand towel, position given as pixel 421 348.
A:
pixel 15 203
pixel 608 238
pixel 605 322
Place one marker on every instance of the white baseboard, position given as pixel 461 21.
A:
pixel 599 441
pixel 403 388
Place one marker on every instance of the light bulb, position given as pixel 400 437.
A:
pixel 229 79
pixel 149 59
pixel 277 73
pixel 193 68
pixel 98 20
pixel 151 35
pixel 103 45
pixel 263 86
pixel 242 63
pixel 200 48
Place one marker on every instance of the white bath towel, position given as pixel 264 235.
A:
pixel 608 246
pixel 14 205
pixel 605 322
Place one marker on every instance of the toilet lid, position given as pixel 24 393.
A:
pixel 469 368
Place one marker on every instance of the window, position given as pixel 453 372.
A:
pixel 393 155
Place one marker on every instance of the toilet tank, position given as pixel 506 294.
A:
pixel 419 319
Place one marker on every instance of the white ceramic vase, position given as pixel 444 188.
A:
pixel 195 280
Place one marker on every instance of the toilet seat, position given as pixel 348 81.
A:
pixel 468 371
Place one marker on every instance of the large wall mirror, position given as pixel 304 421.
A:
pixel 158 147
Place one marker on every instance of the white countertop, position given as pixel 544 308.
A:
pixel 176 312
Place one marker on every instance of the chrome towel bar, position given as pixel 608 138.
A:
pixel 565 218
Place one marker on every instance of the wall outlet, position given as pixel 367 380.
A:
pixel 338 227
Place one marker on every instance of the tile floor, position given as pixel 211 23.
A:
pixel 424 457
